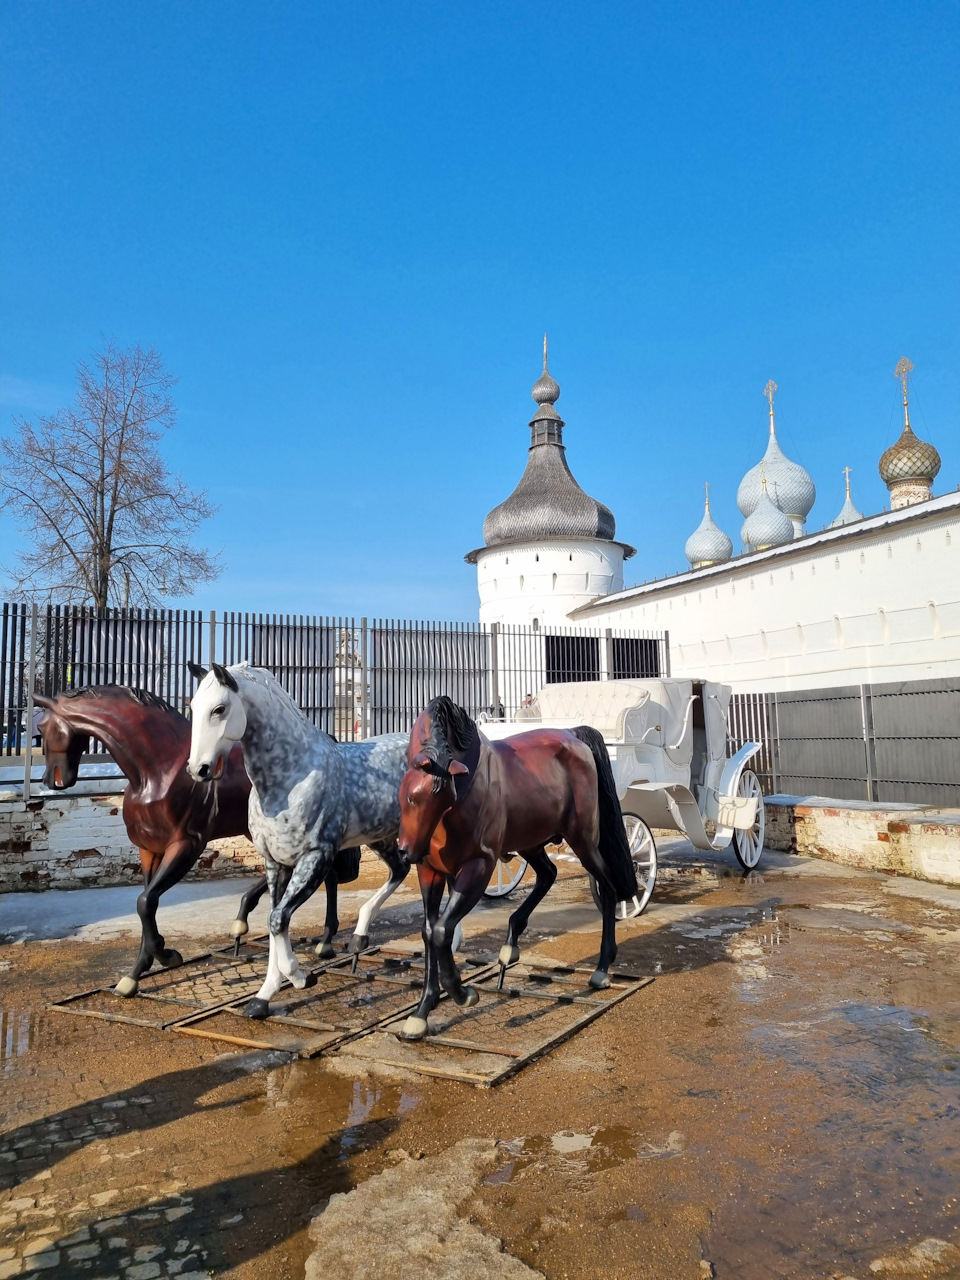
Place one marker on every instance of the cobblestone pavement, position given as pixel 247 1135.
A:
pixel 782 1102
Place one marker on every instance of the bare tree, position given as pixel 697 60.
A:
pixel 107 521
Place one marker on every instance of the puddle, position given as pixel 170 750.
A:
pixel 18 1028
pixel 593 1152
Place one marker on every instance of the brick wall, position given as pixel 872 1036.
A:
pixel 76 842
pixel 916 841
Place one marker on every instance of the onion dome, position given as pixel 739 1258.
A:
pixel 789 485
pixel 766 526
pixel 909 467
pixel 548 502
pixel 848 512
pixel 707 544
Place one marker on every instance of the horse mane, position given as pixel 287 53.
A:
pixel 143 696
pixel 451 730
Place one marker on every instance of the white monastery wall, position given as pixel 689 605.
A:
pixel 878 601
pixel 545 580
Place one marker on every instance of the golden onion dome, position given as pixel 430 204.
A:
pixel 909 459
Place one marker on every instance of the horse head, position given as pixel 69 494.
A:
pixel 429 786
pixel 63 745
pixel 217 722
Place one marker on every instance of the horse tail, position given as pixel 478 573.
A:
pixel 614 849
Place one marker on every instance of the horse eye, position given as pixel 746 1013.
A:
pixel 218 711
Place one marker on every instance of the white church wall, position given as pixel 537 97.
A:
pixel 878 601
pixel 545 580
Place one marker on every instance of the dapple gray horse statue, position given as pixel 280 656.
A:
pixel 311 797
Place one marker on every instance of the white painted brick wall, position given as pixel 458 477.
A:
pixel 74 842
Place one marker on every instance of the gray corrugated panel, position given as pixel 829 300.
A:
pixel 825 758
pixel 945 795
pixel 840 788
pixel 933 760
pixel 921 714
pixel 831 718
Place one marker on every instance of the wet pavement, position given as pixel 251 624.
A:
pixel 784 1101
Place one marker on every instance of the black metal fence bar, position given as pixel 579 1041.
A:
pixel 352 677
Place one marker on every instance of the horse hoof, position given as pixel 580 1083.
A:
pixel 257 1008
pixel 170 959
pixel 413 1029
pixel 469 997
pixel 239 928
pixel 311 980
pixel 325 950
pixel 359 942
pixel 127 987
pixel 508 954
pixel 599 979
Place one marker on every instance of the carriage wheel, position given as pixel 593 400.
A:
pixel 748 843
pixel 643 851
pixel 506 878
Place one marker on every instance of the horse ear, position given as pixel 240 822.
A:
pixel 198 672
pixel 457 768
pixel 40 700
pixel 224 676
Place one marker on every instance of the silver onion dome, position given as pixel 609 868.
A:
pixel 848 512
pixel 708 544
pixel 766 526
pixel 548 502
pixel 789 485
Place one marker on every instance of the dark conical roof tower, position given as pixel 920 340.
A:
pixel 548 502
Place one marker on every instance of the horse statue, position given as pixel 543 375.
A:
pixel 465 802
pixel 311 798
pixel 168 817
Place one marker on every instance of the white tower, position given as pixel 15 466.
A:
pixel 549 547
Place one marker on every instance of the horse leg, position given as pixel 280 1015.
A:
pixel 177 860
pixel 465 892
pixel 247 904
pixel 331 924
pixel 399 866
pixel 546 873
pixel 278 877
pixel 431 890
pixel 127 986
pixel 307 876
pixel 589 857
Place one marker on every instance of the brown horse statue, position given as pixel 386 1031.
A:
pixel 465 802
pixel 169 817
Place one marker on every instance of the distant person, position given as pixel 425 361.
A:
pixel 526 710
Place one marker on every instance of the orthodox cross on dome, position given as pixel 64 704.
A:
pixel 769 391
pixel 846 472
pixel 707 489
pixel 544 353
pixel 903 371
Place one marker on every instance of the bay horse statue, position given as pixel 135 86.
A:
pixel 168 817
pixel 311 798
pixel 465 802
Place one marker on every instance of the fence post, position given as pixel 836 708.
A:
pixel 213 635
pixel 495 668
pixel 775 742
pixel 869 742
pixel 31 676
pixel 364 693
pixel 608 653
pixel 666 654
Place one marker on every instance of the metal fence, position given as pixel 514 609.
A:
pixel 352 677
pixel 887 743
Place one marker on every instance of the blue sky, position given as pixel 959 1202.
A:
pixel 347 226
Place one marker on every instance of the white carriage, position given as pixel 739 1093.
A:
pixel 668 745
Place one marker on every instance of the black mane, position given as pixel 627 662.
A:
pixel 143 696
pixel 451 731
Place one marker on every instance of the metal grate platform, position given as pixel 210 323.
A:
pixel 538 1008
